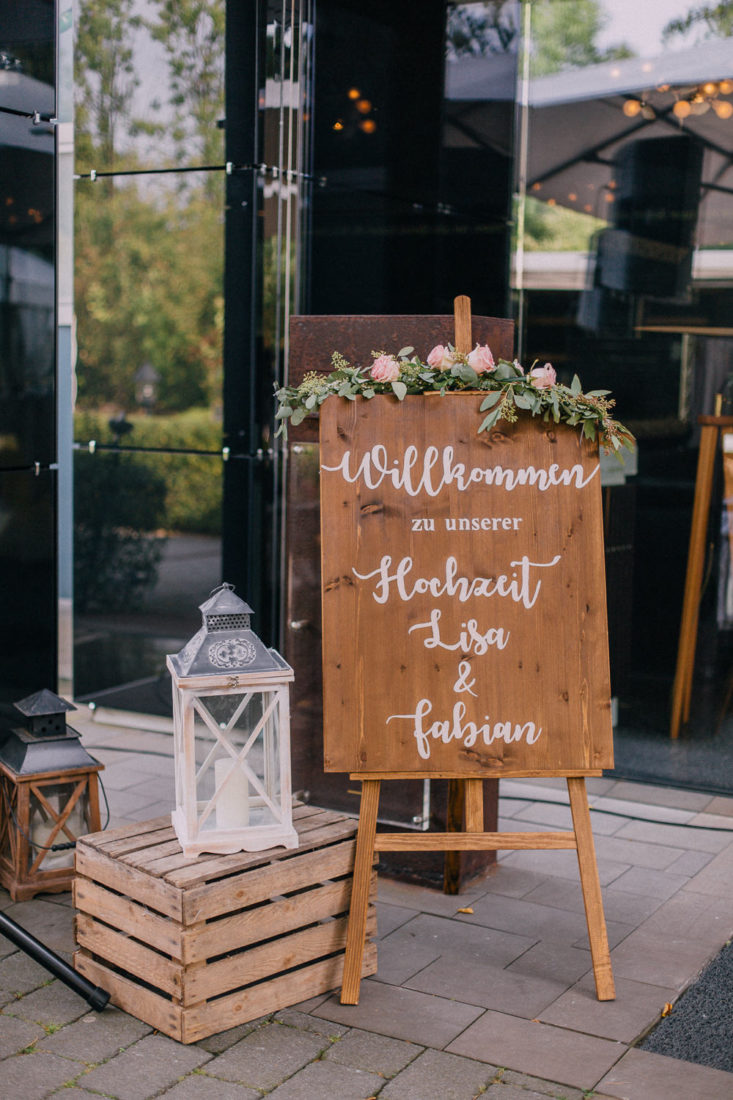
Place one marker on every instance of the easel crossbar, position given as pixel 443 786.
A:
pixel 471 842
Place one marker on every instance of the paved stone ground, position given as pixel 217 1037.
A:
pixel 496 1001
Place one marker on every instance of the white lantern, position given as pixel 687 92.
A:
pixel 231 717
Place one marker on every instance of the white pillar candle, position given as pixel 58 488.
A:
pixel 232 802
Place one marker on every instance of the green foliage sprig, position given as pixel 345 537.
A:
pixel 508 391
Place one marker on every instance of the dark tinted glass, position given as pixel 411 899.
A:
pixel 412 159
pixel 27 55
pixel 27 236
pixel 28 592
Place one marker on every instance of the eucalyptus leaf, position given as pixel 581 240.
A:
pixel 575 386
pixel 598 393
pixel 399 389
pixel 310 401
pixel 298 416
pixel 490 400
pixel 283 411
pixel 522 401
pixel 504 371
pixel 404 352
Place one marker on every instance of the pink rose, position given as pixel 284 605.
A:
pixel 542 377
pixel 481 359
pixel 385 369
pixel 440 358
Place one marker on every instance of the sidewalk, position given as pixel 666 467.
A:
pixel 496 1001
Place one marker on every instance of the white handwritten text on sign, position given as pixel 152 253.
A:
pixel 464 594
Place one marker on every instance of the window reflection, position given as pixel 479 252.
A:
pixel 622 275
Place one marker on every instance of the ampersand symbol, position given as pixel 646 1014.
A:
pixel 462 684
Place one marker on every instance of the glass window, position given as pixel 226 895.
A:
pixel 621 274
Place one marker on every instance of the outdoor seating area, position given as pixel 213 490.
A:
pixel 486 994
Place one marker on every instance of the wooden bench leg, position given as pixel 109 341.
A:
pixel 591 886
pixel 363 861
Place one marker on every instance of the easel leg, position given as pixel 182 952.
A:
pixel 591 886
pixel 360 891
pixel 454 824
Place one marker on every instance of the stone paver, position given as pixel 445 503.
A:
pixel 268 1056
pixel 660 960
pixel 652 883
pixel 34 1076
pixel 554 962
pixel 222 1041
pixel 538 1049
pixel 466 937
pixel 145 1068
pixel 16 1035
pixel 97 1036
pixel 717 878
pixel 436 1075
pixel 292 1018
pixel 403 1014
pixel 511 1079
pixel 20 974
pixel 51 1006
pixel 376 1053
pixel 624 1019
pixel 488 986
pixel 51 922
pixel 643 1075
pixel 199 1086
pixel 326 1079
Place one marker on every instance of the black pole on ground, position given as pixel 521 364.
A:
pixel 93 994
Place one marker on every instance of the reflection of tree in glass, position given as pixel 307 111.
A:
pixel 564 36
pixel 149 261
pixel 704 21
pixel 477 30
pixel 105 79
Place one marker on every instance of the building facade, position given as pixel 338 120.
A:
pixel 566 163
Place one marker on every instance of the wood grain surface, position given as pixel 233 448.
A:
pixel 464 600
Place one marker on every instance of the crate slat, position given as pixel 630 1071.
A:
pixel 268 997
pixel 251 887
pixel 263 922
pixel 133 998
pixel 128 916
pixel 312 832
pixel 128 954
pixel 98 867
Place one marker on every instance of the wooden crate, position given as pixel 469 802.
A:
pixel 196 946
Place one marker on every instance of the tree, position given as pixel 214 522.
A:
pixel 708 20
pixel 476 30
pixel 192 34
pixel 105 78
pixel 564 36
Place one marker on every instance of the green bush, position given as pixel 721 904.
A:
pixel 193 483
pixel 119 510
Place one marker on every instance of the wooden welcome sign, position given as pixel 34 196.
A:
pixel 464 621
pixel 464 600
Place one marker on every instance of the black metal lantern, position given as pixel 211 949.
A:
pixel 49 795
pixel 231 722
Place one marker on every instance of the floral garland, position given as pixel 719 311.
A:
pixel 508 390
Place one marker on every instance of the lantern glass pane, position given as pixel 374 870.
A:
pixel 46 808
pixel 237 760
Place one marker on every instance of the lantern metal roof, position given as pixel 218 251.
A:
pixel 226 643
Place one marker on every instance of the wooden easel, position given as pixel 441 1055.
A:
pixel 682 688
pixel 466 794
pixel 368 842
